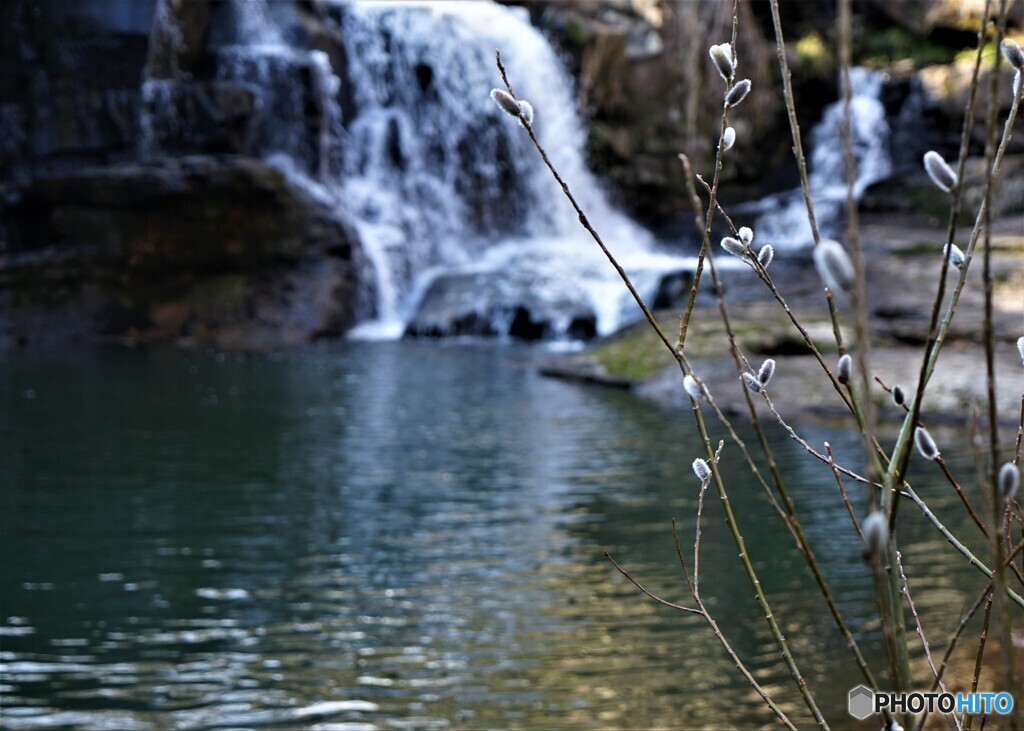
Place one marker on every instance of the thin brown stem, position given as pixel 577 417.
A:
pixel 655 597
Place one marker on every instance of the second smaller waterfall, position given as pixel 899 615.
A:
pixel 783 217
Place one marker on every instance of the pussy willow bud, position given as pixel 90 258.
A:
pixel 722 55
pixel 734 246
pixel 507 102
pixel 694 389
pixel 728 139
pixel 745 235
pixel 765 373
pixel 765 255
pixel 939 171
pixel 834 265
pixel 1013 53
pixel 527 110
pixel 955 255
pixel 898 397
pixel 925 444
pixel 1020 347
pixel 876 534
pixel 701 469
pixel 844 369
pixel 1009 481
pixel 751 382
pixel 737 93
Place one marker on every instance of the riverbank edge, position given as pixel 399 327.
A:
pixel 903 263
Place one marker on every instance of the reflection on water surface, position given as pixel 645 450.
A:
pixel 391 535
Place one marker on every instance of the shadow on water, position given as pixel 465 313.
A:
pixel 396 535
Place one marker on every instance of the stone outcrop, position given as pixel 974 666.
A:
pixel 199 251
pixel 948 86
pixel 648 91
pixel 134 203
pixel 924 17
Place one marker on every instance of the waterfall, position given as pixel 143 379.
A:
pixel 783 219
pixel 296 120
pixel 455 209
pixel 464 229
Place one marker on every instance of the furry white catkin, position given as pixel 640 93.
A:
pixel 724 59
pixel 939 171
pixel 876 533
pixel 834 266
pixel 925 444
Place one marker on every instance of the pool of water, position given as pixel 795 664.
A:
pixel 398 535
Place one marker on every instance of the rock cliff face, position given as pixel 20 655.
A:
pixel 135 203
pixel 646 88
pixel 203 251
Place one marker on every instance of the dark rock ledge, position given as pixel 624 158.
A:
pixel 202 251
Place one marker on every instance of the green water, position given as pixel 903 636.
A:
pixel 398 535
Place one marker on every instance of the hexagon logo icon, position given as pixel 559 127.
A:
pixel 861 702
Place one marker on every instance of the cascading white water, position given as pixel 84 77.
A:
pixel 783 219
pixel 443 184
pixel 463 226
pixel 303 147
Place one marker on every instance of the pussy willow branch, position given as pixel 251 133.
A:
pixel 986 595
pixel 998 528
pixel 1019 442
pixel 758 688
pixel 730 518
pixel 584 221
pixel 920 629
pixel 955 542
pixel 694 587
pixel 941 462
pixel 979 658
pixel 801 161
pixel 695 204
pixel 705 246
pixel 842 491
pixel 755 471
pixel 748 567
pixel 655 597
pixel 795 436
pixel 844 24
pixel 811 345
pixel 701 611
pixel 1003 615
pixel 988 335
pixel 793 520
pixel 936 332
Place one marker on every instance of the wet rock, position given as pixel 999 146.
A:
pixel 648 91
pixel 948 87
pixel 197 250
pixel 514 305
pixel 926 17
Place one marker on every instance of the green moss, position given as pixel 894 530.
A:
pixel 813 55
pixel 897 44
pixel 576 34
pixel 988 53
pixel 636 353
pixel 918 248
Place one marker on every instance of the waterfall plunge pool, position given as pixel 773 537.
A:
pixel 398 535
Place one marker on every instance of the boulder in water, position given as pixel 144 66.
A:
pixel 509 304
